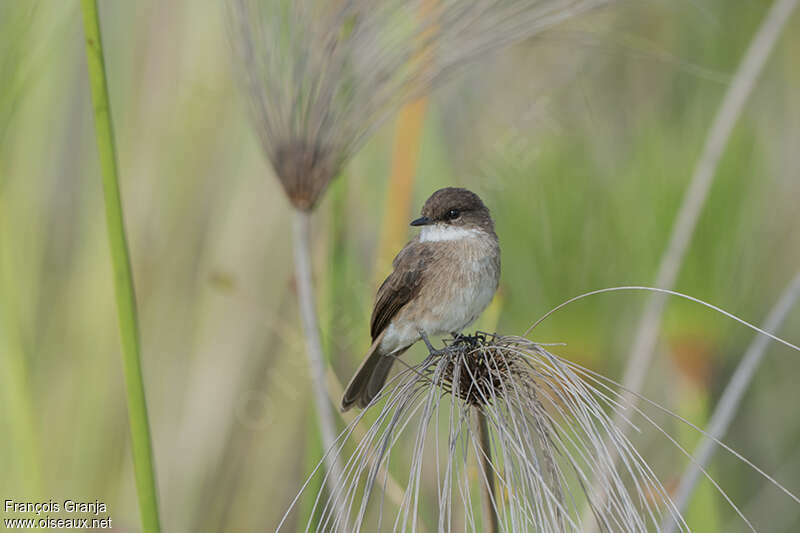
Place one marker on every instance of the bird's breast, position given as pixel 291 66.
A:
pixel 465 284
pixel 460 281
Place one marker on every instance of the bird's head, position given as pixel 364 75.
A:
pixel 452 213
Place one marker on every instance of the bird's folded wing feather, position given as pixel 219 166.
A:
pixel 403 284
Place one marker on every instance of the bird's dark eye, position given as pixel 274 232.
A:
pixel 453 214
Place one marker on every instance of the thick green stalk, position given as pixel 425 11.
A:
pixel 123 278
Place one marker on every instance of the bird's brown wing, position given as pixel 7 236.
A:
pixel 401 286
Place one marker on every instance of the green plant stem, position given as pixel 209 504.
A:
pixel 491 523
pixel 123 278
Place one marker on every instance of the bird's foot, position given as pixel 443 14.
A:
pixel 485 336
pixel 458 341
pixel 477 338
pixel 431 349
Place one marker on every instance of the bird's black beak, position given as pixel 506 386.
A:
pixel 421 221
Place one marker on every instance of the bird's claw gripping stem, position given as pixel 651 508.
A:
pixel 431 349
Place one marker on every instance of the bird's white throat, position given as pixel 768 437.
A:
pixel 442 232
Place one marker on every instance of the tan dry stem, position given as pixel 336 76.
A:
pixel 316 361
pixel 491 523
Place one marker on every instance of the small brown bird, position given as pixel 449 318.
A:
pixel 442 281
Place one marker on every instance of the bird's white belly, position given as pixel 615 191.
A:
pixel 462 308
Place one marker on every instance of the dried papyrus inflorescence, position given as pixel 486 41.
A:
pixel 551 434
pixel 321 75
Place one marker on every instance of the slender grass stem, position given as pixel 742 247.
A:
pixel 491 523
pixel 730 399
pixel 694 199
pixel 316 361
pixel 123 277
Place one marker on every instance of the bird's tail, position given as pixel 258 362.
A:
pixel 370 376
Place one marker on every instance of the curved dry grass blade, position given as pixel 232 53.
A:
pixel 663 291
pixel 604 383
pixel 694 199
pixel 638 397
pixel 732 396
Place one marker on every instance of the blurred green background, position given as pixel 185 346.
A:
pixel 581 141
